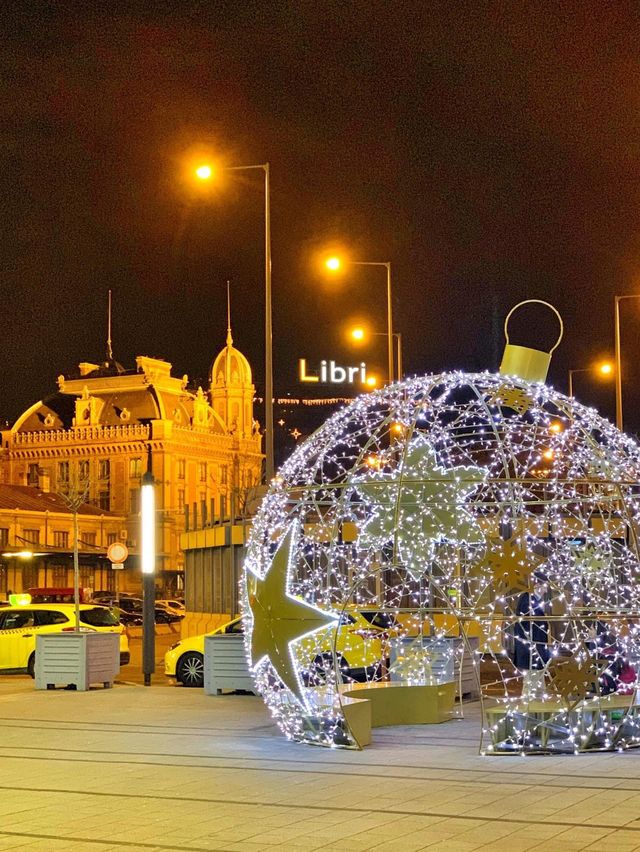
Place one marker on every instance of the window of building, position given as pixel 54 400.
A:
pixel 182 468
pixel 59 576
pixel 86 578
pixel 134 501
pixel 181 499
pixel 104 500
pixel 135 467
pixel 4 536
pixel 60 538
pixel 31 536
pixel 83 470
pixel 202 471
pixel 104 469
pixel 32 475
pixel 29 576
pixel 63 472
pixel 89 538
pixel 112 538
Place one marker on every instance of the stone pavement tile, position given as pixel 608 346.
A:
pixel 617 841
pixel 488 832
pixel 409 843
pixel 578 837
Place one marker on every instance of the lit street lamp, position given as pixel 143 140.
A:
pixel 206 172
pixel 604 369
pixel 148 563
pixel 618 299
pixel 334 264
pixel 359 334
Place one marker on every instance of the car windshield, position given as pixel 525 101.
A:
pixel 380 619
pixel 98 617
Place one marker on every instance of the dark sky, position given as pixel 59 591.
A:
pixel 490 151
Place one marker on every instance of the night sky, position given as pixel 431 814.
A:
pixel 490 151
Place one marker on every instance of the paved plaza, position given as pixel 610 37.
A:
pixel 169 768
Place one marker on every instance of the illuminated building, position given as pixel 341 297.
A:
pixel 103 420
pixel 36 540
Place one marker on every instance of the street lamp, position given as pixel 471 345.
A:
pixel 604 369
pixel 334 264
pixel 359 334
pixel 618 299
pixel 148 563
pixel 206 172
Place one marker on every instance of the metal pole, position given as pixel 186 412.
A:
pixel 268 341
pixel 148 627
pixel 148 565
pixel 268 336
pixel 399 365
pixel 619 421
pixel 389 324
pixel 570 384
pixel 76 571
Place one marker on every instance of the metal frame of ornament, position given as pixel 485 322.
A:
pixel 457 504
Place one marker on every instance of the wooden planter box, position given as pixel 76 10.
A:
pixel 77 658
pixel 225 664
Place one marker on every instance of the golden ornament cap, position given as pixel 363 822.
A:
pixel 523 361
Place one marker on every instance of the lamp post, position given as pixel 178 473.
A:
pixel 148 562
pixel 334 264
pixel 604 369
pixel 206 172
pixel 360 334
pixel 616 315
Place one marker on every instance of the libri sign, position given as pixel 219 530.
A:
pixel 332 373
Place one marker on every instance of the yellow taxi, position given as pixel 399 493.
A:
pixel 360 645
pixel 20 625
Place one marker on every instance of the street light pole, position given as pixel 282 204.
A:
pixel 148 564
pixel 571 372
pixel 387 266
pixel 618 299
pixel 398 337
pixel 268 334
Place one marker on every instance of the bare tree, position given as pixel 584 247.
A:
pixel 76 494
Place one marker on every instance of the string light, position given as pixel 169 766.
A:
pixel 432 508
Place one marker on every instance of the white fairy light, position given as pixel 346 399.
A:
pixel 413 537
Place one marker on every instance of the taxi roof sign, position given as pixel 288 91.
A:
pixel 20 599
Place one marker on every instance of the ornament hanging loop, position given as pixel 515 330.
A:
pixel 523 361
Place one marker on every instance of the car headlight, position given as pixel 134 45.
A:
pixel 175 645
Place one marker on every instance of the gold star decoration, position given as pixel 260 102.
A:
pixel 511 564
pixel 420 505
pixel 509 397
pixel 573 679
pixel 279 618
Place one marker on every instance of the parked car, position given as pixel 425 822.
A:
pixel 173 606
pixel 20 625
pixel 359 646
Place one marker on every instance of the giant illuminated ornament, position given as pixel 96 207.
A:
pixel 450 520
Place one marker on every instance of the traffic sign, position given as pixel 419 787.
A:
pixel 117 565
pixel 117 552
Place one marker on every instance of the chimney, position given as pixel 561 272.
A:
pixel 44 480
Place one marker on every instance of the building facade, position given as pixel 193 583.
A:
pixel 37 540
pixel 97 434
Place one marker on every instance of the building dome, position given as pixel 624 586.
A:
pixel 230 367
